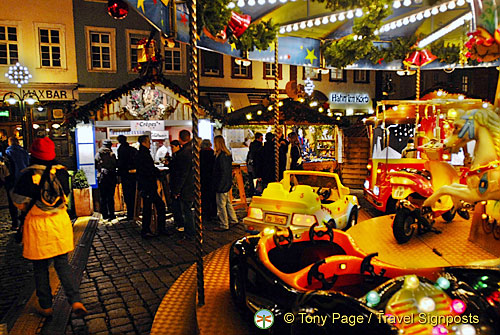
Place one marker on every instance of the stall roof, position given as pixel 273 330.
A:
pixel 85 112
pixel 291 113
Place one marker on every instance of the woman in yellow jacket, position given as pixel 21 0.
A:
pixel 48 232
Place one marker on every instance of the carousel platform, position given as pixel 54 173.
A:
pixel 178 309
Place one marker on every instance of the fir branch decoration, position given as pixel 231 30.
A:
pixel 257 36
pixel 446 53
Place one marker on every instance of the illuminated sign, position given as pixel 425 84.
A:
pixel 4 113
pixel 349 98
pixel 147 125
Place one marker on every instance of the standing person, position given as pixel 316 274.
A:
pixel 3 141
pixel 147 173
pixel 284 145
pixel 19 160
pixel 126 171
pixel 174 177
pixel 207 160
pixel 105 162
pixel 265 164
pixel 223 181
pixel 42 190
pixel 183 188
pixel 294 153
pixel 162 152
pixel 252 156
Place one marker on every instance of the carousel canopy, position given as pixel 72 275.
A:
pixel 306 29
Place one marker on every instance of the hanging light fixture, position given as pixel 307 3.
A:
pixel 244 61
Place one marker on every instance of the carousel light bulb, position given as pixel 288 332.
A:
pixel 427 13
pixel 439 93
pixel 358 12
pixel 259 112
pixel 399 23
pixel 439 330
pixel 272 1
pixel 373 298
pixel 341 17
pixel 241 3
pixel 317 22
pixel 413 18
pixel 443 8
pixel 288 28
pixel 458 306
pixel 396 4
pixel 426 304
pixel 310 23
pixel 407 3
pixel 295 27
pixel 461 97
pixel 434 11
pixel 282 30
pixel 485 105
pixel 393 25
pixel 376 32
pixel 325 20
pixel 251 2
pixel 333 18
pixel 261 2
pixel 460 2
pixel 320 109
pixel 466 329
pixel 302 25
pixel 406 21
pixel 411 282
pixel 452 5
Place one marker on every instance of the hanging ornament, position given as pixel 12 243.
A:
pixel 419 58
pixel 239 23
pixel 220 37
pixel 482 47
pixel 117 9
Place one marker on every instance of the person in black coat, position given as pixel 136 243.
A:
pixel 147 174
pixel 207 160
pixel 252 156
pixel 126 167
pixel 182 187
pixel 105 163
pixel 265 164
pixel 223 181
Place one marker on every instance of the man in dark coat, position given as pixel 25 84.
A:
pixel 147 174
pixel 19 160
pixel 207 159
pixel 126 167
pixel 252 156
pixel 183 186
pixel 265 165
pixel 105 162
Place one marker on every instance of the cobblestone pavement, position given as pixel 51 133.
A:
pixel 126 276
pixel 15 271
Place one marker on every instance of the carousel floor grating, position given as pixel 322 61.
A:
pixel 451 247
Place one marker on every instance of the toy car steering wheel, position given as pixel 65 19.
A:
pixel 320 233
pixel 280 238
pixel 325 194
pixel 320 276
pixel 366 266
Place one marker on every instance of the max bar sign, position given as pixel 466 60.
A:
pixel 351 98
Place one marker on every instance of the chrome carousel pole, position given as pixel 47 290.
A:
pixel 193 84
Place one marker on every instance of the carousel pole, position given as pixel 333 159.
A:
pixel 276 111
pixel 417 94
pixel 193 84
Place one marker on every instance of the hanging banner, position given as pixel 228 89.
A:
pixel 157 12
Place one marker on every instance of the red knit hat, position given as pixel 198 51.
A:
pixel 43 148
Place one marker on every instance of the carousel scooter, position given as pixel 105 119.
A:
pixel 410 187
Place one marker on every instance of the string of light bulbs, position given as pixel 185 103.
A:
pixel 330 18
pixel 250 3
pixel 424 14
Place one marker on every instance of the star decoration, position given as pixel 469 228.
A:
pixel 162 23
pixel 184 19
pixel 301 47
pixel 233 46
pixel 140 4
pixel 310 55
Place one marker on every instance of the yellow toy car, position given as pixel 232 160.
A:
pixel 302 199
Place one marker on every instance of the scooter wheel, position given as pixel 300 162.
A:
pixel 449 215
pixel 403 226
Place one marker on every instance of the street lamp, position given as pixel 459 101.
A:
pixel 19 75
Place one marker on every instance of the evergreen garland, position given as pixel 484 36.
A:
pixel 257 36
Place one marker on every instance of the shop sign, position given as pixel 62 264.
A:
pixel 50 94
pixel 349 98
pixel 4 113
pixel 147 125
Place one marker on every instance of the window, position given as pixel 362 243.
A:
pixel 100 49
pixel 211 64
pixel 8 45
pixel 465 84
pixel 173 58
pixel 50 47
pixel 338 75
pixel 308 72
pixel 269 69
pixel 239 70
pixel 361 76
pixel 133 38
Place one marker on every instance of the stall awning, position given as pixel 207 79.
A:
pixel 238 100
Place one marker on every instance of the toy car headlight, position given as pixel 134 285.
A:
pixel 376 190
pixel 303 220
pixel 255 213
pixel 366 184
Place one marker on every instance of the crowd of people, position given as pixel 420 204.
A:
pixel 137 167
